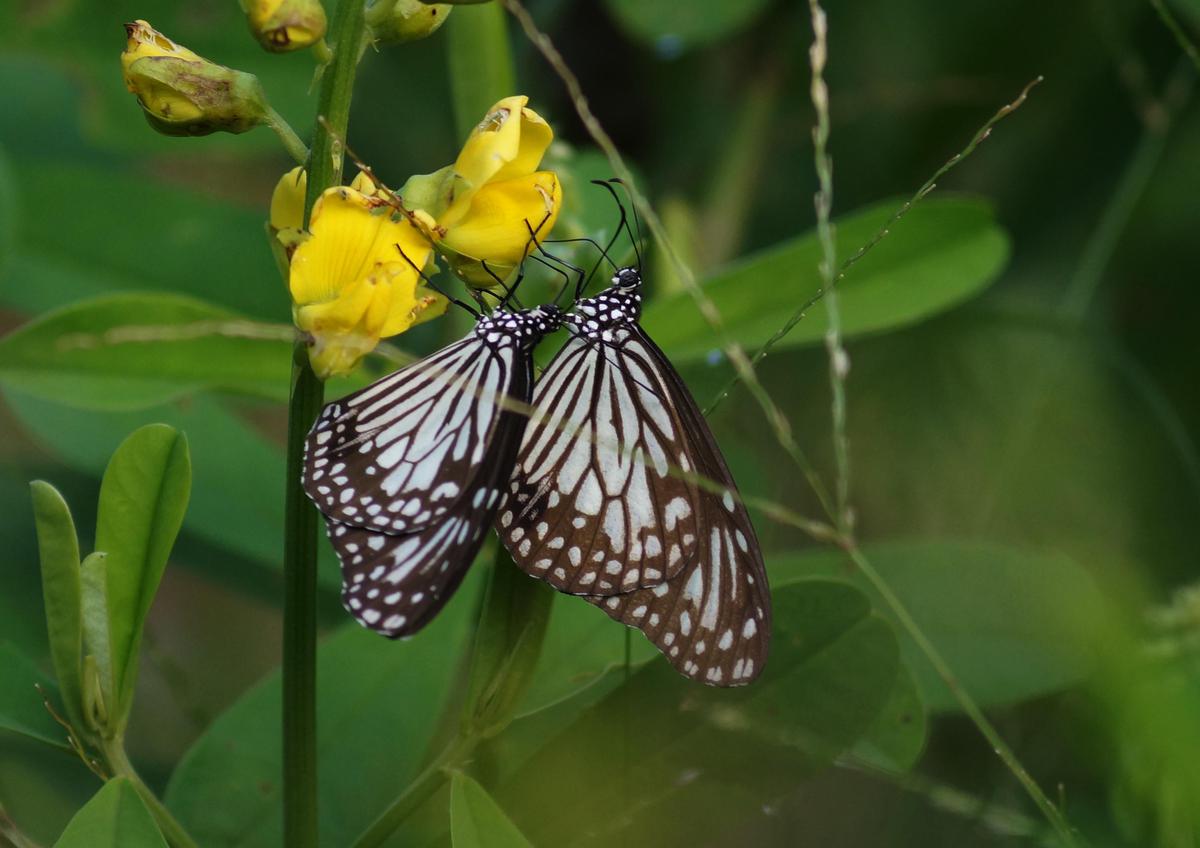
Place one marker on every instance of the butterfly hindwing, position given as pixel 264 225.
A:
pixel 453 420
pixel 395 583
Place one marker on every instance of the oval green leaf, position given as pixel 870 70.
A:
pixel 58 550
pixel 1012 624
pixel 379 702
pixel 116 817
pixel 943 252
pixel 476 820
pixel 143 498
pixel 128 351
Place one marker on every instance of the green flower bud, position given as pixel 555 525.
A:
pixel 398 21
pixel 283 25
pixel 182 93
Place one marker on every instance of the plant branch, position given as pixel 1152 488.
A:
pixel 1181 37
pixel 120 766
pixel 928 186
pixel 300 520
pixel 965 701
pixel 291 142
pixel 839 361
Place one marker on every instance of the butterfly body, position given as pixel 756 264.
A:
pixel 409 471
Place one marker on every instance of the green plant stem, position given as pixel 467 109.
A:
pixel 300 519
pixel 965 701
pixel 291 142
pixel 1171 23
pixel 929 185
pixel 417 793
pixel 839 362
pixel 119 765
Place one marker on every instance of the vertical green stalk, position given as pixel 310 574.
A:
pixel 300 523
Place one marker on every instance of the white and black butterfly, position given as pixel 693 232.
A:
pixel 409 471
pixel 597 505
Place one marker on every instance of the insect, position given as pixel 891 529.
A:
pixel 606 501
pixel 409 471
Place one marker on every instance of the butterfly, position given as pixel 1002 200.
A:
pixel 606 502
pixel 409 472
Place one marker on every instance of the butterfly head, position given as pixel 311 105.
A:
pixel 524 328
pixel 617 305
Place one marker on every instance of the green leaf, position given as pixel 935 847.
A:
pixel 672 27
pixel 21 707
pixel 1012 624
pixel 127 351
pixel 99 675
pixel 698 760
pixel 476 820
pixel 897 737
pixel 143 499
pixel 943 252
pixel 238 473
pixel 516 611
pixel 58 549
pixel 116 817
pixel 579 647
pixel 378 701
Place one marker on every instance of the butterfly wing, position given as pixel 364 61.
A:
pixel 593 506
pixel 401 454
pixel 395 583
pixel 712 620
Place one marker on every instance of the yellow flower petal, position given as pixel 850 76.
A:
pixel 282 25
pixel 509 142
pixel 497 228
pixel 354 280
pixel 144 40
pixel 287 201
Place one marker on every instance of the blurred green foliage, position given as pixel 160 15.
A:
pixel 1024 470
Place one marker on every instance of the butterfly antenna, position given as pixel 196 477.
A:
pixel 623 224
pixel 549 259
pixel 637 221
pixel 510 292
pixel 428 282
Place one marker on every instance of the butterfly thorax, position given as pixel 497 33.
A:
pixel 524 329
pixel 615 309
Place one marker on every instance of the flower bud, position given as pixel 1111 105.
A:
pixel 182 93
pixel 398 21
pixel 283 25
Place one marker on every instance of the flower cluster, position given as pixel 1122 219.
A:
pixel 355 274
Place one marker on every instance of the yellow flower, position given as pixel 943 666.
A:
pixel 283 25
pixel 182 93
pixel 399 21
pixel 485 207
pixel 354 279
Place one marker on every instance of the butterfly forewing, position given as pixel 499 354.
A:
pixel 453 421
pixel 594 507
pixel 712 621
pixel 398 455
pixel 604 500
